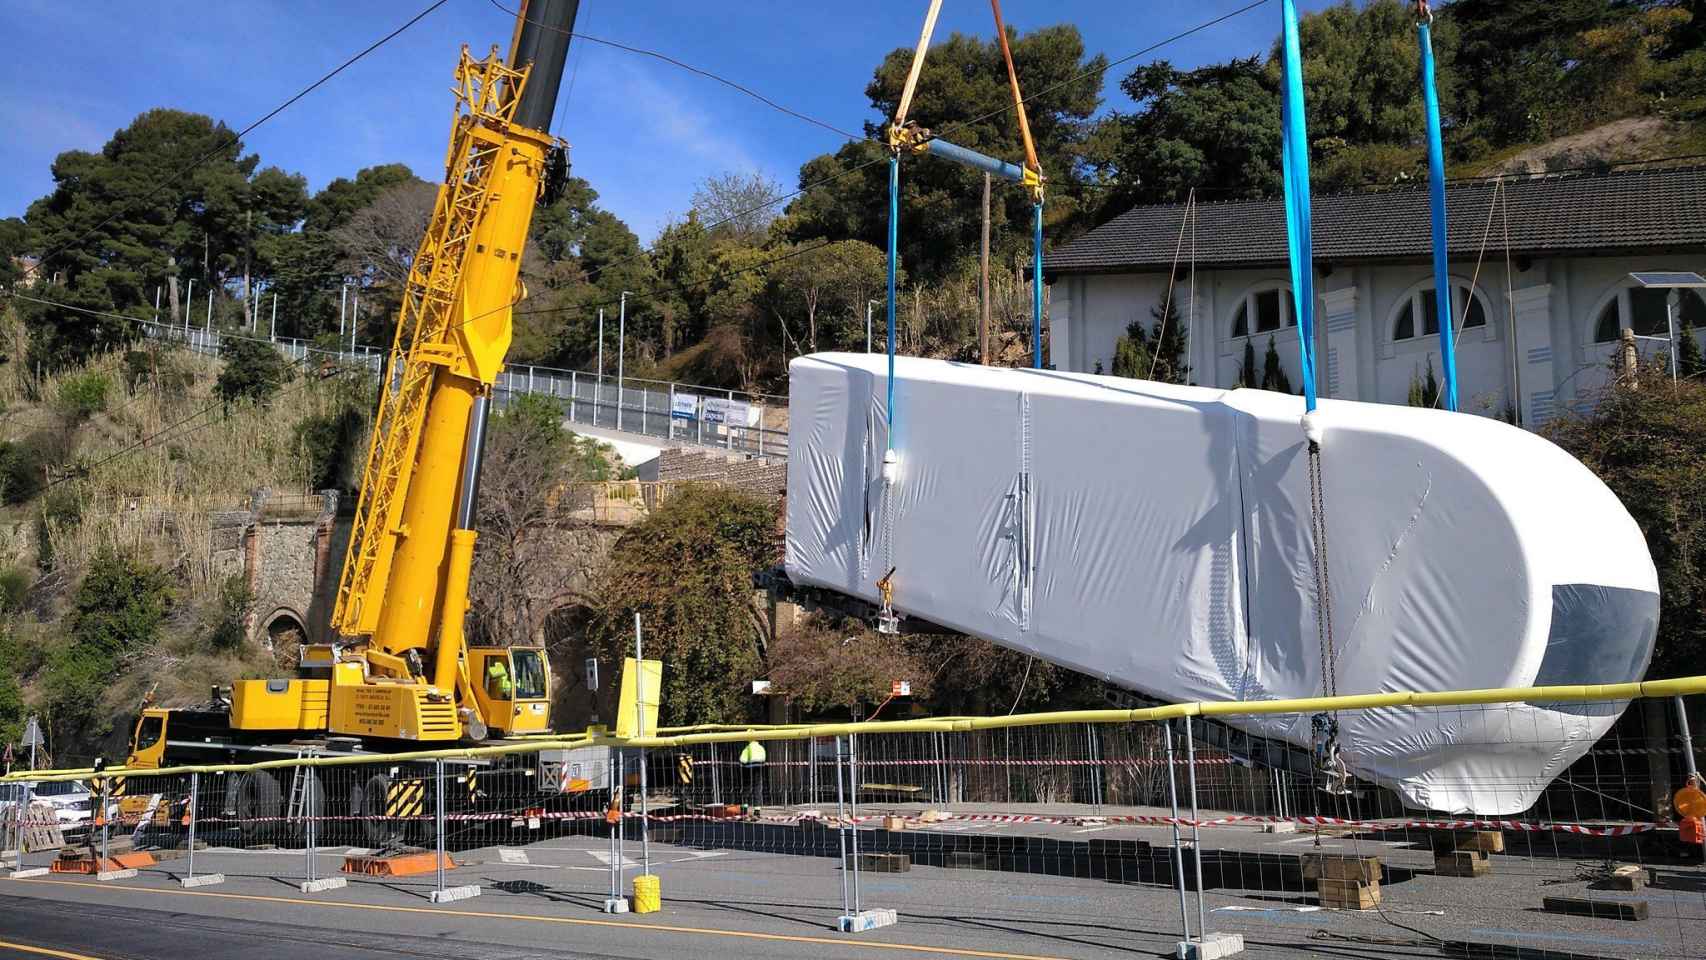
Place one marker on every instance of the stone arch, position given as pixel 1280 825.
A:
pixel 284 625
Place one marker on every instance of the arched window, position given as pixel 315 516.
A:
pixel 1268 307
pixel 1642 309
pixel 1423 303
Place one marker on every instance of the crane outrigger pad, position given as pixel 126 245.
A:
pixel 1157 536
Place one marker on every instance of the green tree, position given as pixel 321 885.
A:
pixel 170 196
pixel 687 570
pixel 1247 375
pixel 253 371
pixel 817 299
pixel 1424 390
pixel 1157 354
pixel 1648 443
pixel 14 241
pixel 1273 373
pixel 1689 362
pixel 116 612
pixel 964 80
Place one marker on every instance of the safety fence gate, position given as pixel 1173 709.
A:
pixel 1201 827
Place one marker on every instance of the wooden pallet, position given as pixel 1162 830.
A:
pixel 1348 894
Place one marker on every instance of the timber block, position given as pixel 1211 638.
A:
pixel 1348 894
pixel 1332 866
pixel 1479 841
pixel 894 823
pixel 1629 878
pixel 1601 909
pixel 1463 863
pixel 885 862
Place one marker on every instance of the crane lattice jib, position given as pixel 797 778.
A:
pixel 487 92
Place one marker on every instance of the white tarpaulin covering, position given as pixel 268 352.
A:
pixel 1157 536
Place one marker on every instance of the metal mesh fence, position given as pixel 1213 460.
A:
pixel 1170 827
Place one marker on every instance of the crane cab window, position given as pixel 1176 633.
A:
pixel 499 684
pixel 529 674
pixel 149 731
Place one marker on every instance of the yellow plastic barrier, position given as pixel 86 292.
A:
pixel 648 894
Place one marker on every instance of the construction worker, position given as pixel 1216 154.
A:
pixel 752 759
pixel 498 685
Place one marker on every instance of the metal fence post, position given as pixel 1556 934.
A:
pixel 1196 825
pixel 1178 850
pixel 189 846
pixel 853 807
pixel 106 814
pixel 728 427
pixel 308 821
pixel 438 783
pixel 671 422
pixel 841 827
pixel 574 393
pixel 616 903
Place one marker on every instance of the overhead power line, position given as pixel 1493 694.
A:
pixel 690 68
pixel 234 138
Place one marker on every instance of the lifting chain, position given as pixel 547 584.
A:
pixel 1324 726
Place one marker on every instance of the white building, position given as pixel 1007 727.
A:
pixel 1541 329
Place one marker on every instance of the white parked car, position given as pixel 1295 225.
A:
pixel 72 802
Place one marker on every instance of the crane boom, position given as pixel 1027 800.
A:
pixel 404 587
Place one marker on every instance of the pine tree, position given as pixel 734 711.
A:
pixel 1273 375
pixel 1424 392
pixel 1247 369
pixel 1689 362
pixel 1157 353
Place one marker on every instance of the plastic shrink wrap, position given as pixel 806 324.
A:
pixel 1157 536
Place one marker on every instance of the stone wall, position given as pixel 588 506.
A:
pixel 759 477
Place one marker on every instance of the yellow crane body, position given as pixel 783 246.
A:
pixel 399 666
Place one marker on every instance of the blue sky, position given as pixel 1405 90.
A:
pixel 642 131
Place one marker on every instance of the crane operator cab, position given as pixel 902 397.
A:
pixel 512 687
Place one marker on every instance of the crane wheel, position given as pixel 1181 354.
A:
pixel 378 828
pixel 259 801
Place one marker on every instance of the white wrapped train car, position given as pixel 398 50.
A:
pixel 1157 536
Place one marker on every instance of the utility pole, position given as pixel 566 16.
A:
pixel 343 310
pixel 983 281
pixel 621 344
pixel 354 319
pixel 156 304
pixel 868 305
pixel 272 331
pixel 598 388
pixel 189 302
pixel 210 313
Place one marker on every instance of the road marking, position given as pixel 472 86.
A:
pixel 570 921
pixel 44 952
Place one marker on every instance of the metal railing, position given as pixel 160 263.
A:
pixel 740 422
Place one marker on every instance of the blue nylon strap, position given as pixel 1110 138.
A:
pixel 1436 198
pixel 1295 160
pixel 1037 291
pixel 894 255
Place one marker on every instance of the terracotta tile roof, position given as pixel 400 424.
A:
pixel 1636 210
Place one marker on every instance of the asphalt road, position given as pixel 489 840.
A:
pixel 763 904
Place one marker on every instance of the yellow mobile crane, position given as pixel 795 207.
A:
pixel 399 669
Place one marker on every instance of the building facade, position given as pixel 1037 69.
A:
pixel 1540 272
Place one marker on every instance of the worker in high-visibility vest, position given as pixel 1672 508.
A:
pixel 752 758
pixel 498 685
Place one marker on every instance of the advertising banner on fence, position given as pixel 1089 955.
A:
pixel 684 406
pixel 716 409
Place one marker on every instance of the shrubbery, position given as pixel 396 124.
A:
pixel 82 395
pixel 253 371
